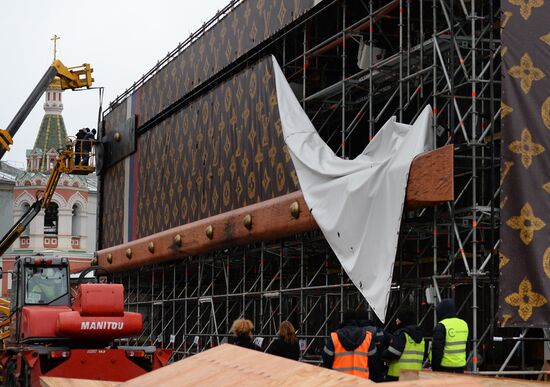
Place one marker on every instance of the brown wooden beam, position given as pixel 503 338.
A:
pixel 430 182
pixel 431 178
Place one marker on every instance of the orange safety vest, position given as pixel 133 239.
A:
pixel 354 362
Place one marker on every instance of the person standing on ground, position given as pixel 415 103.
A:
pixel 377 366
pixel 450 337
pixel 242 334
pixel 286 342
pixel 349 348
pixel 406 349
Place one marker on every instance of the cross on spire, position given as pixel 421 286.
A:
pixel 55 39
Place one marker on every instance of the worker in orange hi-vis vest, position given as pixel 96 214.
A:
pixel 348 349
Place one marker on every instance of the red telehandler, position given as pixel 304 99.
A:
pixel 54 334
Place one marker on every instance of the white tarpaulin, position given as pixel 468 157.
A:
pixel 357 203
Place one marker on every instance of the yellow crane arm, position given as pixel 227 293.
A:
pixel 74 77
pixel 70 78
pixel 51 184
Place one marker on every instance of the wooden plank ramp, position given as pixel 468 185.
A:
pixel 228 365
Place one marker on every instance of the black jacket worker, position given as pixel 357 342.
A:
pixel 87 146
pixel 377 366
pixel 78 145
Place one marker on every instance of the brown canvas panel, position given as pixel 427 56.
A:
pixel 112 198
pixel 525 196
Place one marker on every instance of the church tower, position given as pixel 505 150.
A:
pixel 51 134
pixel 66 228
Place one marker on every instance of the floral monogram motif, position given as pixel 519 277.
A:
pixel 526 7
pixel 526 148
pixel 526 72
pixel 527 223
pixel 526 299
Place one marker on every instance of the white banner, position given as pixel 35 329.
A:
pixel 357 203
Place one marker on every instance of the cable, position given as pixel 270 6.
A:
pixel 100 111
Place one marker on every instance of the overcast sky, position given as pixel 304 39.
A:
pixel 121 39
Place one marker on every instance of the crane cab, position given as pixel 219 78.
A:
pixel 40 288
pixel 40 281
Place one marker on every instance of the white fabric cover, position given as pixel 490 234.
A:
pixel 357 203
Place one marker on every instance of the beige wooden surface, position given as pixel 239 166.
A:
pixel 46 381
pixel 229 365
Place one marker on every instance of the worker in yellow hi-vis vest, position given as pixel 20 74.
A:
pixel 406 349
pixel 450 338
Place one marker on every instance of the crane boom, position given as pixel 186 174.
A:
pixel 70 77
pixel 18 228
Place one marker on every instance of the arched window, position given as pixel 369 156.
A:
pixel 76 219
pixel 51 219
pixel 25 208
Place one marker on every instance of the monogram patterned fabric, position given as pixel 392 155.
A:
pixel 112 197
pixel 223 151
pixel 525 196
pixel 249 24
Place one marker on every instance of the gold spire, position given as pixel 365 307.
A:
pixel 56 83
pixel 55 39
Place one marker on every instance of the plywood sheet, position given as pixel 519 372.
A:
pixel 229 365
pixel 46 381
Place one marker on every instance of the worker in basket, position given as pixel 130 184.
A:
pixel 87 145
pixel 80 135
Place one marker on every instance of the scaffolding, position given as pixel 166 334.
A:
pixel 353 64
